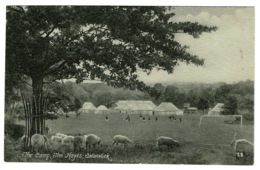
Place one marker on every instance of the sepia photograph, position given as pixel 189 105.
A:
pixel 111 84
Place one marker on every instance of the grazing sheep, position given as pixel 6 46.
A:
pixel 56 139
pixel 68 142
pixel 61 135
pixel 92 140
pixel 56 142
pixel 121 139
pixel 79 143
pixel 169 142
pixel 242 147
pixel 38 142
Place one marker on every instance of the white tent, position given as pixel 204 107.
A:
pixel 167 108
pixel 217 109
pixel 71 113
pixel 101 110
pixel 88 107
pixel 60 111
pixel 135 106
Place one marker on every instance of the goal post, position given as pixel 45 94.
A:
pixel 229 116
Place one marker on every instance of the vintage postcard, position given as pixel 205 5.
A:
pixel 130 84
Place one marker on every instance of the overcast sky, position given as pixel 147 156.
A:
pixel 228 52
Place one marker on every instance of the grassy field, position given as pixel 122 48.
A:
pixel 207 145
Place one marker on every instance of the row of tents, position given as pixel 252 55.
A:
pixel 134 107
pixel 141 107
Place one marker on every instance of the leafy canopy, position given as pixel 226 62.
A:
pixel 105 43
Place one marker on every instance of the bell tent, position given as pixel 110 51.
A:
pixel 88 107
pixel 217 109
pixel 101 110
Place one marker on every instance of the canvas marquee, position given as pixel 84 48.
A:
pixel 135 106
pixel 167 108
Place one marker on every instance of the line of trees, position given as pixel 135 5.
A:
pixel 69 95
pixel 238 96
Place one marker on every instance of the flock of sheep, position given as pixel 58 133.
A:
pixel 242 147
pixel 82 142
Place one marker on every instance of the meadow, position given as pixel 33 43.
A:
pixel 209 144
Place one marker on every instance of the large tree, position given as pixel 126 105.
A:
pixel 203 104
pixel 105 43
pixel 230 106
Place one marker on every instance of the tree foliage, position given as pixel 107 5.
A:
pixel 230 106
pixel 203 104
pixel 48 43
pixel 105 43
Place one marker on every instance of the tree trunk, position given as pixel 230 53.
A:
pixel 37 108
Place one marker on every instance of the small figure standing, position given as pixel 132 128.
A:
pixel 127 118
pixel 47 129
pixel 77 114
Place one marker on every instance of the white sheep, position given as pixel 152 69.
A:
pixel 242 147
pixel 121 139
pixel 61 135
pixel 56 139
pixel 79 143
pixel 92 140
pixel 68 142
pixel 38 142
pixel 167 141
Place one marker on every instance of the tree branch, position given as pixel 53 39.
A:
pixel 49 82
pixel 48 34
pixel 91 79
pixel 27 83
pixel 56 66
pixel 14 9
